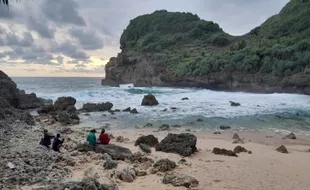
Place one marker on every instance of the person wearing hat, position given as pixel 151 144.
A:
pixel 91 138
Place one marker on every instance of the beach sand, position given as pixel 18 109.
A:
pixel 264 169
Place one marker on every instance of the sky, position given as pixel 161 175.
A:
pixel 62 38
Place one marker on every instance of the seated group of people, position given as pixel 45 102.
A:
pixel 103 138
pixel 91 138
pixel 46 141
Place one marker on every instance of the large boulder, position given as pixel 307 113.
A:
pixel 183 144
pixel 63 103
pixel 150 140
pixel 177 179
pixel 149 100
pixel 116 152
pixel 68 118
pixel 92 107
pixel 29 101
pixel 8 90
pixel 45 109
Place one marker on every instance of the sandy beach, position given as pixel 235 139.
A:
pixel 264 169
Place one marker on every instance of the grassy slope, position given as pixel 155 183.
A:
pixel 192 47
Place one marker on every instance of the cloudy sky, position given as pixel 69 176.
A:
pixel 78 37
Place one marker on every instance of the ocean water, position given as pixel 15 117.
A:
pixel 277 112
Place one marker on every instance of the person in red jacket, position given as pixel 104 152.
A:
pixel 104 137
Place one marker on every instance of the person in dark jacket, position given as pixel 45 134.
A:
pixel 57 143
pixel 46 140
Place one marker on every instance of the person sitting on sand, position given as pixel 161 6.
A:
pixel 57 143
pixel 104 137
pixel 46 140
pixel 91 138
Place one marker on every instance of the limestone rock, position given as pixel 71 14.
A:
pixel 149 100
pixel 150 140
pixel 145 148
pixel 177 179
pixel 116 152
pixel 236 136
pixel 183 144
pixel 164 127
pixel 282 149
pixel 63 103
pixel 164 165
pixel 109 162
pixel 224 152
pixel 290 136
pixel 239 149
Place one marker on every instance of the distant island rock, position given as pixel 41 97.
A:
pixel 182 50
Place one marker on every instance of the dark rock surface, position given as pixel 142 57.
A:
pixel 290 136
pixel 150 140
pixel 116 152
pixel 183 144
pixel 224 152
pixel 149 100
pixel 127 109
pixel 282 149
pixel 239 149
pixel 164 165
pixel 134 111
pixel 92 107
pixel 109 162
pixel 225 127
pixel 62 103
pixel 164 127
pixel 177 179
pixel 234 104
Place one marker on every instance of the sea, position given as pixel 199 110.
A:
pixel 204 110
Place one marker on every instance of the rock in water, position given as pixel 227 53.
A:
pixel 92 107
pixel 127 109
pixel 291 136
pixel 63 103
pixel 149 140
pixel 186 98
pixel 145 148
pixel 239 149
pixel 236 136
pixel 149 100
pixel 164 127
pixel 183 144
pixel 217 133
pixel 164 165
pixel 234 103
pixel 116 152
pixel 134 111
pixel 180 180
pixel 225 127
pixel 224 152
pixel 282 149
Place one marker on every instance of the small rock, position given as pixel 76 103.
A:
pixel 140 172
pixel 148 125
pixel 223 151
pixel 239 149
pixel 127 109
pixel 109 162
pixel 236 136
pixel 164 165
pixel 164 127
pixel 225 127
pixel 120 139
pixel 188 130
pixel 182 161
pixel 11 165
pixel 149 140
pixel 176 126
pixel 234 103
pixel 180 180
pixel 149 100
pixel 173 108
pixel 134 111
pixel 249 152
pixel 282 149
pixel 290 136
pixel 186 98
pixel 152 171
pixel 128 175
pixel 217 133
pixel 199 120
pixel 165 110
pixel 145 148
pixel 238 141
pixel 74 153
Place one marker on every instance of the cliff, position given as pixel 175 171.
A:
pixel 180 49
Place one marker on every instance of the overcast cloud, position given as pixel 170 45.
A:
pixel 79 36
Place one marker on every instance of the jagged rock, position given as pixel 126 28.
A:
pixel 92 107
pixel 127 109
pixel 183 144
pixel 164 127
pixel 116 152
pixel 63 103
pixel 177 179
pixel 185 98
pixel 217 133
pixel 109 82
pixel 234 103
pixel 8 90
pixel 138 157
pixel 290 136
pixel 149 140
pixel 67 118
pixel 120 139
pixel 239 149
pixel 236 136
pixel 27 117
pixel 282 149
pixel 145 148
pixel 127 175
pixel 225 127
pixel 29 101
pixel 45 109
pixel 134 111
pixel 224 152
pixel 164 165
pixel 149 100
pixel 109 162
pixel 85 184
pixel 238 141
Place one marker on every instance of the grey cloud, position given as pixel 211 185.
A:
pixel 41 26
pixel 60 59
pixel 69 49
pixel 88 39
pixel 62 12
pixel 13 40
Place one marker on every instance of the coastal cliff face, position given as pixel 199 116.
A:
pixel 180 49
